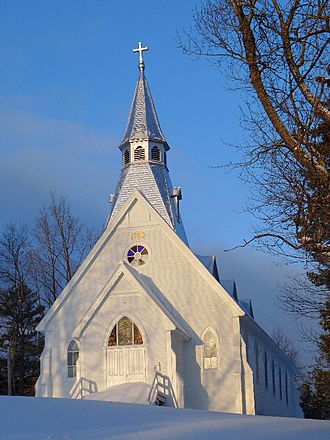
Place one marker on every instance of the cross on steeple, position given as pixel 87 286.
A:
pixel 141 49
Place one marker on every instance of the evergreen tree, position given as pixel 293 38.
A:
pixel 20 313
pixel 315 396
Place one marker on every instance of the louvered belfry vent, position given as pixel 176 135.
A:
pixel 126 157
pixel 139 153
pixel 155 154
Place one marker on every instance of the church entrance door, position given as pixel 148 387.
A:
pixel 126 364
pixel 125 354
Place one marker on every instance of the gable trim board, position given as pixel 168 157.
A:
pixel 136 196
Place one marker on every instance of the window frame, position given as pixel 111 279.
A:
pixel 145 256
pixel 72 358
pixel 133 328
pixel 216 339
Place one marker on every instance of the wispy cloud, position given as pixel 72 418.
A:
pixel 38 155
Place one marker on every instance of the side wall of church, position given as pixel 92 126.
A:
pixel 273 375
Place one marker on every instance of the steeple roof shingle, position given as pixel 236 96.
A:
pixel 143 122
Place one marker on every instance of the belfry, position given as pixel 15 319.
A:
pixel 144 162
pixel 144 318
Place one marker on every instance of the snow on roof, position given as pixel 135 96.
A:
pixel 32 418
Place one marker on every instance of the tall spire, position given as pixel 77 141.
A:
pixel 144 165
pixel 142 121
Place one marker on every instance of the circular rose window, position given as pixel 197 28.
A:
pixel 137 255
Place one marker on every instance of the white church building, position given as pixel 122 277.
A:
pixel 144 309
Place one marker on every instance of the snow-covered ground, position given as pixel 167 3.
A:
pixel 136 392
pixel 63 419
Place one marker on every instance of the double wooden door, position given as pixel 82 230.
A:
pixel 126 364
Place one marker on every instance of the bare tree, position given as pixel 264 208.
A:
pixel 301 298
pixel 287 346
pixel 15 250
pixel 278 53
pixel 61 242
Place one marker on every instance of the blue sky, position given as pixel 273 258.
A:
pixel 67 77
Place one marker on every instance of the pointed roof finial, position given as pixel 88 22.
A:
pixel 140 49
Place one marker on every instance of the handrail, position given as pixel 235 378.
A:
pixel 161 391
pixel 82 388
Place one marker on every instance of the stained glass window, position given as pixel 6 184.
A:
pixel 137 336
pixel 137 255
pixel 125 336
pixel 210 350
pixel 125 332
pixel 113 337
pixel 72 359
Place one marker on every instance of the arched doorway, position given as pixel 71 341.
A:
pixel 125 354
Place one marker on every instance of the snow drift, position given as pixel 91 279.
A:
pixel 31 418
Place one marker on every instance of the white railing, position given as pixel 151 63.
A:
pixel 83 387
pixel 161 391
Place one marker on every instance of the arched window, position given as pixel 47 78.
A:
pixel 126 157
pixel 155 154
pixel 139 153
pixel 125 332
pixel 210 350
pixel 73 356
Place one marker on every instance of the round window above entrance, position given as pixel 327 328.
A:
pixel 137 255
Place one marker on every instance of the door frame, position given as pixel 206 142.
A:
pixel 145 344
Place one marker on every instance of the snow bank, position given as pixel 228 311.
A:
pixel 136 392
pixel 30 418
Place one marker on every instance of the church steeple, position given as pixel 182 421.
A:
pixel 143 138
pixel 144 164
